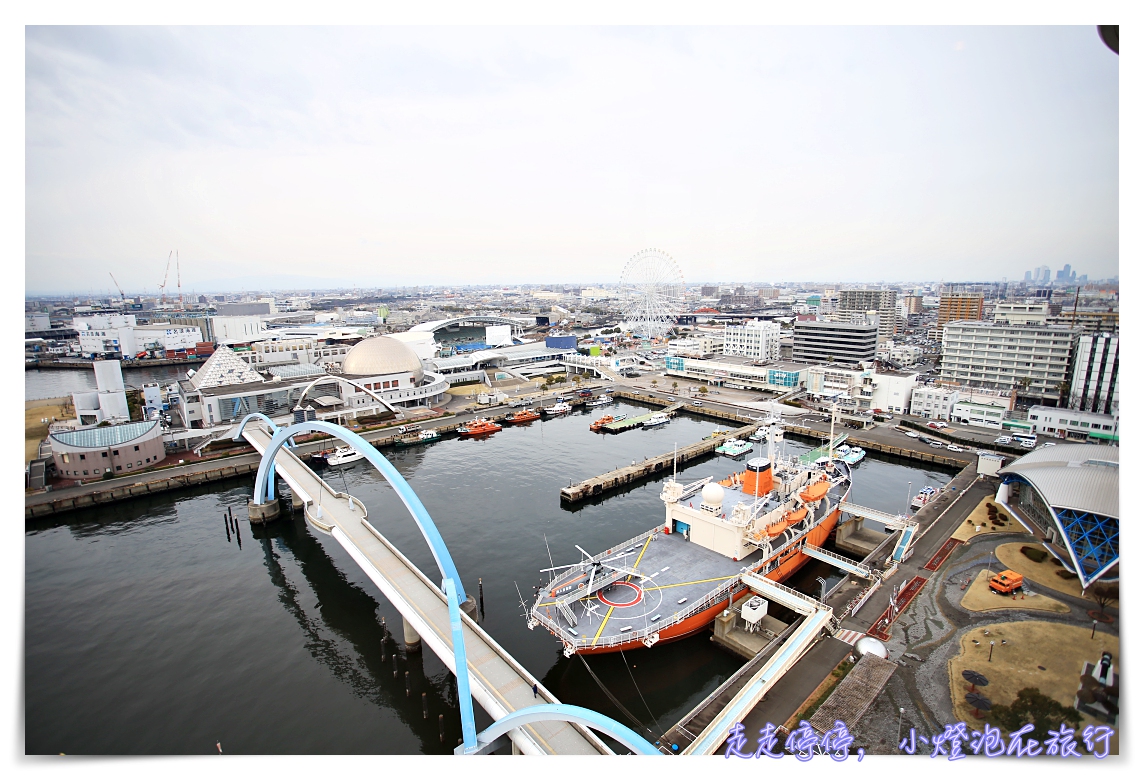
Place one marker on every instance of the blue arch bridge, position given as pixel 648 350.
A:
pixel 436 613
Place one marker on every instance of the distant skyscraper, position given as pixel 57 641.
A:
pixel 1028 276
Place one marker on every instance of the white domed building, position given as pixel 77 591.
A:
pixel 391 370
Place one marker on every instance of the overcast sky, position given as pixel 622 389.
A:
pixel 277 157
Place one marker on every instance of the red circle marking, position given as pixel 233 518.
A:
pixel 636 600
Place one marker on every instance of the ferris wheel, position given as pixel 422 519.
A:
pixel 652 288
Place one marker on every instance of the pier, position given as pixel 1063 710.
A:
pixel 596 486
pixel 637 421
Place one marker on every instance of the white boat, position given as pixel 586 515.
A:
pixel 853 455
pixel 842 449
pixel 601 401
pixel 344 455
pixel 657 419
pixel 734 447
pixel 557 408
pixel 924 496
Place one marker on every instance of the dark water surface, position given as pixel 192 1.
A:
pixel 147 631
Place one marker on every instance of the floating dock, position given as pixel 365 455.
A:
pixel 635 422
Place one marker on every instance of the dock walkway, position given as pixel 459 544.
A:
pixel 498 682
pixel 655 465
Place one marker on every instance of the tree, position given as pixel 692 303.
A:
pixel 1104 593
pixel 654 382
pixel 577 378
pixel 675 386
pixel 703 389
pixel 1032 706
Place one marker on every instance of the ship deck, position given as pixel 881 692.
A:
pixel 672 568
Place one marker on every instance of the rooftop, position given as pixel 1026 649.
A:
pixel 105 436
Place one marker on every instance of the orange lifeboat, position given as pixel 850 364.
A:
pixel 777 527
pixel 815 491
pixel 479 427
pixel 599 424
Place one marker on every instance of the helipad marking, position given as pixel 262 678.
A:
pixel 636 600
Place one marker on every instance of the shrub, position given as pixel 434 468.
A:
pixel 1033 554
pixel 1064 574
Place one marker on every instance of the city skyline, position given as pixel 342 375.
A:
pixel 389 157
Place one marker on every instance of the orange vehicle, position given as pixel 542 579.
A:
pixel 522 416
pixel 479 427
pixel 1006 582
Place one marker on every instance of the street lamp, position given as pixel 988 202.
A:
pixel 1093 630
pixel 990 651
pixel 909 489
pixel 901 712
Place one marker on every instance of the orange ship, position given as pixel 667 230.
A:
pixel 598 425
pixel 673 580
pixel 522 416
pixel 482 426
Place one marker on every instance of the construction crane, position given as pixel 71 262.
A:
pixel 166 274
pixel 122 297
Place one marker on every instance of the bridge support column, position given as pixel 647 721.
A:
pixel 412 638
pixel 469 607
pixel 263 513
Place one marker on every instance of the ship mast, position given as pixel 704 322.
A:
pixel 830 444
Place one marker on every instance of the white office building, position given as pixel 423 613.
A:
pixel 933 403
pixel 1013 313
pixel 1033 361
pixel 1075 425
pixel 757 339
pixel 980 414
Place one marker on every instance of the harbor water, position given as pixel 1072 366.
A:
pixel 152 628
pixel 62 382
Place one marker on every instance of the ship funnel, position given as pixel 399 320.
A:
pixel 758 478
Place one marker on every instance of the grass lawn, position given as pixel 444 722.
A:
pixel 979 598
pixel 1029 645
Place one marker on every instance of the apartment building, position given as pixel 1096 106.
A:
pixel 1034 362
pixel 1095 383
pixel 757 339
pixel 839 342
pixel 884 302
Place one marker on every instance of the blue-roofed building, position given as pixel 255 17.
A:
pixel 1068 495
pixel 89 453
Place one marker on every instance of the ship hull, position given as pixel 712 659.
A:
pixel 701 620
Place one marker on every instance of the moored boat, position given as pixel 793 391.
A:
pixel 853 455
pixel 734 447
pixel 717 434
pixel 482 426
pixel 603 400
pixel 558 408
pixel 673 580
pixel 924 496
pixel 422 437
pixel 522 416
pixel 607 419
pixel 657 419
pixel 343 455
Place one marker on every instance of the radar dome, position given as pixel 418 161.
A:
pixel 382 355
pixel 713 494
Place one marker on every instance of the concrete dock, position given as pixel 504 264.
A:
pixel 659 464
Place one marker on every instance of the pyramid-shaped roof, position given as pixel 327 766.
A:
pixel 224 368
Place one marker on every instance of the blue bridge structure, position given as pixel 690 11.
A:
pixel 440 613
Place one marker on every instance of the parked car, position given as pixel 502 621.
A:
pixel 1027 443
pixel 911 434
pixel 933 425
pixel 1003 440
pixel 935 443
pixel 697 403
pixel 953 448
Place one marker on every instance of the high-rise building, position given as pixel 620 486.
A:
pixel 758 339
pixel 958 305
pixel 820 342
pixel 709 291
pixel 1095 381
pixel 1021 313
pixel 1031 360
pixel 884 302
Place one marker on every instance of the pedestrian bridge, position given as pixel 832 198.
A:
pixel 436 615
